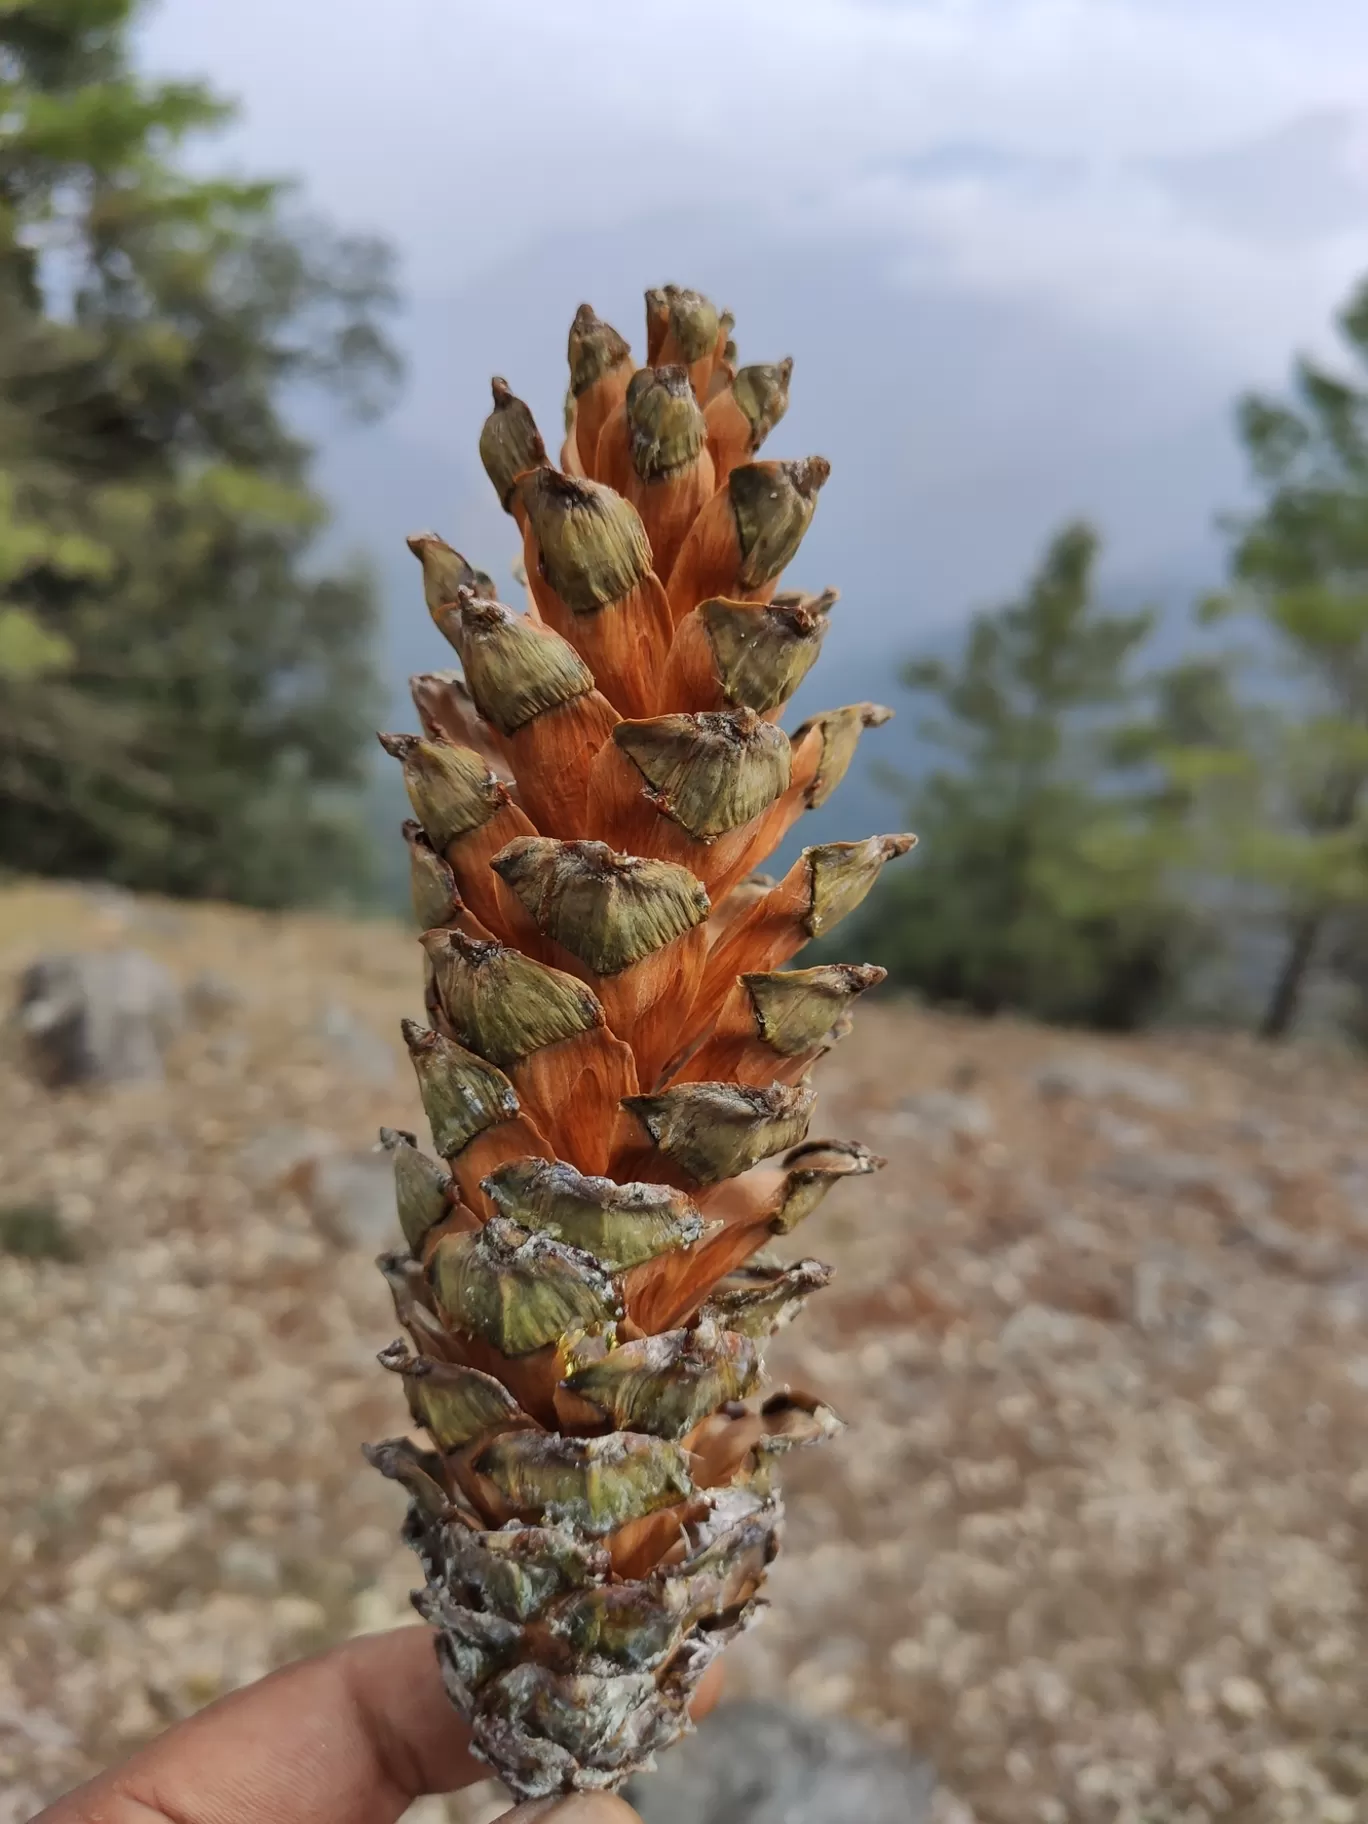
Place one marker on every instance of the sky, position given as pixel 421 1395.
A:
pixel 1025 252
pixel 1111 158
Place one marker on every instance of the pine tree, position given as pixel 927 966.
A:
pixel 184 700
pixel 1043 882
pixel 1300 565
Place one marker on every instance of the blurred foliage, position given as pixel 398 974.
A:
pixel 1284 810
pixel 1045 880
pixel 1097 835
pixel 184 696
pixel 35 1231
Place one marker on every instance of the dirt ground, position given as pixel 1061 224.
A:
pixel 1095 1542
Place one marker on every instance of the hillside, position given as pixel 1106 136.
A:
pixel 1096 1541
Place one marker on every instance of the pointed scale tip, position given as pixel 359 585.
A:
pixel 502 1004
pixel 839 732
pixel 594 349
pixel 666 427
pixel 773 504
pixel 711 772
pixel 810 475
pixel 417 1037
pixel 692 322
pixel 762 394
pixel 516 668
pixel 445 571
pixel 451 789
pixel 592 544
pixel 510 442
pixel 840 874
pixel 607 909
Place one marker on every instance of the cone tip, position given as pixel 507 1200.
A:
pixel 417 1036
pixel 809 475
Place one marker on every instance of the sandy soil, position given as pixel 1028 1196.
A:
pixel 1095 1542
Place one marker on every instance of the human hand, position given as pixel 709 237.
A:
pixel 353 1736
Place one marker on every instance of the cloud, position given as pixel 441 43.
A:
pixel 1235 254
pixel 1108 158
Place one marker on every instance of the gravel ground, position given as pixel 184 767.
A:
pixel 1095 1543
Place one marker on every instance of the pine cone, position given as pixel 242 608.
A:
pixel 615 1053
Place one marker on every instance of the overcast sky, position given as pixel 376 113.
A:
pixel 1025 251
pixel 1038 146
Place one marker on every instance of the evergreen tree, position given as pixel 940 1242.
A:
pixel 1300 565
pixel 1041 880
pixel 184 698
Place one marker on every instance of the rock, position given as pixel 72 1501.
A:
pixel 754 1762
pixel 248 1568
pixel 280 1155
pixel 351 1196
pixel 941 1114
pixel 1044 1330
pixel 100 1017
pixel 1124 1136
pixel 115 906
pixel 1094 1077
pixel 119 909
pixel 209 996
pixel 1172 1293
pixel 352 1043
pixel 1239 1196
pixel 1163 1174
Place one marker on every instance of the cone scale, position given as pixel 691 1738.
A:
pixel 615 1058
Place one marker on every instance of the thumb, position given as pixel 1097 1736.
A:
pixel 578 1808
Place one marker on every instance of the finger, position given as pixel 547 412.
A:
pixel 580 1808
pixel 350 1737
pixel 708 1692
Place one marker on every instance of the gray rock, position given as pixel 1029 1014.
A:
pixel 1125 1136
pixel 121 909
pixel 1173 1293
pixel 248 1568
pixel 942 1114
pixel 1171 1175
pixel 764 1763
pixel 278 1155
pixel 1094 1077
pixel 97 1017
pixel 1044 1330
pixel 351 1196
pixel 352 1043
pixel 1242 1198
pixel 209 996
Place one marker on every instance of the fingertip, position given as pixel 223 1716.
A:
pixel 576 1808
pixel 708 1692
